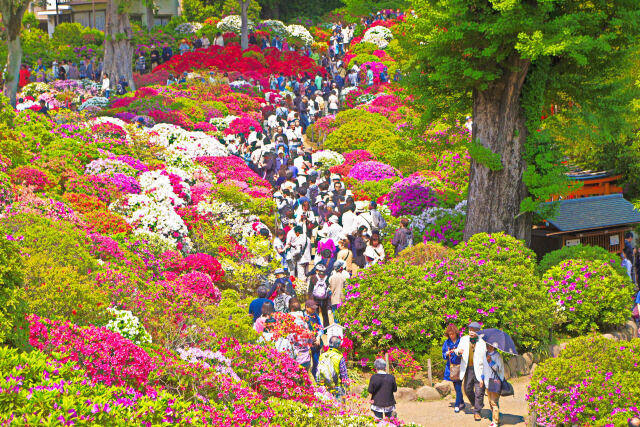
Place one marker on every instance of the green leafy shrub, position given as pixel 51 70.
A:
pixel 583 252
pixel 593 382
pixel 12 309
pixel 498 247
pixel 588 296
pixel 374 136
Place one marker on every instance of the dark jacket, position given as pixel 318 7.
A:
pixel 382 387
pixel 402 239
pixel 358 247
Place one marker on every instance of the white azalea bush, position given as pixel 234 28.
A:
pixel 188 27
pixel 299 32
pixel 185 143
pixel 233 24
pixel 275 26
pixel 328 158
pixel 95 102
pixel 378 35
pixel 430 216
pixel 221 123
pixel 208 359
pixel 153 210
pixel 129 326
pixel 35 89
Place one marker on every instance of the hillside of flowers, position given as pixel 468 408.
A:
pixel 134 235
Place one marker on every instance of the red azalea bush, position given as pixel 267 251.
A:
pixel 105 222
pixel 31 177
pixel 105 355
pixel 242 125
pixel 351 158
pixel 230 58
pixel 99 186
pixel 82 203
pixel 109 130
pixel 201 262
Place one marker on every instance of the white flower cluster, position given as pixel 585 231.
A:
pixel 188 27
pixel 96 101
pixel 106 119
pixel 35 89
pixel 240 224
pixel 183 145
pixel 128 325
pixel 345 91
pixel 378 35
pixel 430 216
pixel 301 33
pixel 25 105
pixel 207 358
pixel 233 24
pixel 276 27
pixel 153 210
pixel 328 158
pixel 221 123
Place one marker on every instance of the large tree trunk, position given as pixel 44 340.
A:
pixel 118 50
pixel 12 13
pixel 244 28
pixel 149 7
pixel 13 70
pixel 499 125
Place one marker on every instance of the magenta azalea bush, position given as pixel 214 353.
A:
pixel 588 296
pixel 593 382
pixel 410 196
pixel 373 171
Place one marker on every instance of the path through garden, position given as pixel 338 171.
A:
pixel 513 410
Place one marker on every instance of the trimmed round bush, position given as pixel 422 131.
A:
pixel 593 382
pixel 584 252
pixel 588 296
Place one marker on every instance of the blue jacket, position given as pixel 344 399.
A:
pixel 454 358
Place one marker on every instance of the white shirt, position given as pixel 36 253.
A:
pixel 333 102
pixel 219 41
pixel 106 84
pixel 349 220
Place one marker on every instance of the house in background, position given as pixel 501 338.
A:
pixel 596 214
pixel 91 13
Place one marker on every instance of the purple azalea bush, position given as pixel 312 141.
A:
pixel 410 196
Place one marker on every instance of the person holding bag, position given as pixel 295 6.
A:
pixel 493 379
pixel 452 369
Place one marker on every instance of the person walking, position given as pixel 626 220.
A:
pixel 336 286
pixel 332 369
pixel 255 307
pixel 452 369
pixel 473 350
pixel 403 238
pixel 319 291
pixel 493 377
pixel 106 85
pixel 382 386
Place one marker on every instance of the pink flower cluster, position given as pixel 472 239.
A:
pixel 232 167
pixel 105 355
pixel 201 262
pixel 373 171
pixel 242 125
pixel 31 177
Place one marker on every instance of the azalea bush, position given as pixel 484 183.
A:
pixel 410 196
pixel 588 296
pixel 373 171
pixel 493 290
pixel 582 252
pixel 12 308
pixel 593 382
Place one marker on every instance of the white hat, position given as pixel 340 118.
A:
pixel 335 176
pixel 370 252
pixel 334 219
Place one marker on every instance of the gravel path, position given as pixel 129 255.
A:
pixel 513 410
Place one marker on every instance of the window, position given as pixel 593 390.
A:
pixel 100 18
pixel 82 18
pixel 161 20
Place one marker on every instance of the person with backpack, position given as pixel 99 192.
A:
pixel 332 369
pixel 319 291
pixel 403 237
pixel 493 377
pixel 336 287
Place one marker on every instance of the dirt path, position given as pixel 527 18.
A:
pixel 513 410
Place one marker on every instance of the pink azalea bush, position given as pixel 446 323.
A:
pixel 105 355
pixel 373 171
pixel 31 177
pixel 410 196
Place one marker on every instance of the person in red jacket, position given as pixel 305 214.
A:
pixel 25 76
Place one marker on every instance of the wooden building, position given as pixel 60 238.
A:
pixel 597 220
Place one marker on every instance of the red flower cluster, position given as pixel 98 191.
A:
pixel 230 58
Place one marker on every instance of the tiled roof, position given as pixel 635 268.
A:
pixel 594 212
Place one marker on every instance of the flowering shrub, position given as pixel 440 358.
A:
pixel 593 382
pixel 33 177
pixel 328 159
pixel 588 296
pixel 410 196
pixel 128 325
pixel 595 254
pixel 11 280
pixel 106 356
pixel 378 35
pixel 299 35
pixel 380 314
pixel 402 365
pixel 373 171
pixel 242 125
